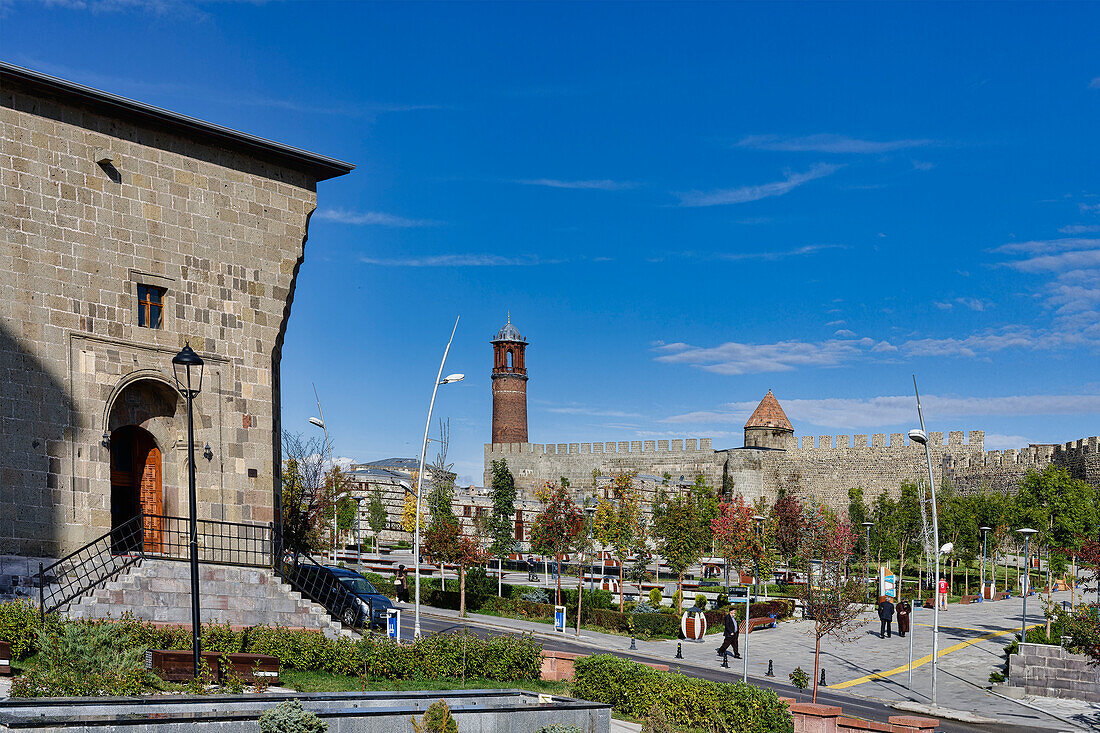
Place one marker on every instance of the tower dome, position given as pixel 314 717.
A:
pixel 768 426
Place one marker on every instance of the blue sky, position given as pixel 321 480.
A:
pixel 681 205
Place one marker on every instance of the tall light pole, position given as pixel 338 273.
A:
pixel 921 436
pixel 420 473
pixel 182 364
pixel 867 558
pixel 1026 532
pixel 985 551
pixel 590 510
pixel 320 422
pixel 759 520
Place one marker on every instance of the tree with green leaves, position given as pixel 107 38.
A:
pixel 617 523
pixel 680 534
pixel 786 518
pixel 500 526
pixel 376 515
pixel 558 528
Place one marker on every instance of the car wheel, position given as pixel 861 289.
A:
pixel 348 617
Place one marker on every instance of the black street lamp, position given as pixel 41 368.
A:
pixel 867 559
pixel 188 367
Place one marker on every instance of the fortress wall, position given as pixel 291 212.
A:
pixel 1081 458
pixel 533 464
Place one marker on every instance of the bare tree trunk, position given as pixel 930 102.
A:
pixel 817 660
pixel 621 563
pixel 901 571
pixel 557 573
pixel 462 591
pixel 680 592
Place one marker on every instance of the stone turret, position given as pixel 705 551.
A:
pixel 768 426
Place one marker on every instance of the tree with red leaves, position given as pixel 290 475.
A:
pixel 787 518
pixel 832 599
pixel 558 528
pixel 738 540
pixel 445 542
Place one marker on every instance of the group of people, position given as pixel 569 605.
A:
pixel 886 611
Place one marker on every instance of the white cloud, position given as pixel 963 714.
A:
pixel 974 304
pixel 877 412
pixel 459 260
pixel 588 185
pixel 1089 208
pixel 1048 246
pixel 943 305
pixel 835 323
pixel 1057 262
pixel 923 165
pixel 998 441
pixel 1095 83
pixel 734 358
pixel 745 194
pixel 827 143
pixel 371 218
pixel 979 344
pixel 845 333
pixel 583 410
pixel 1080 229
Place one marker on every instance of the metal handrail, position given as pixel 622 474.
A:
pixel 147 536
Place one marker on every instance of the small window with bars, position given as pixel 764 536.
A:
pixel 150 306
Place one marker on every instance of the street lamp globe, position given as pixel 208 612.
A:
pixel 318 422
pixel 918 436
pixel 452 378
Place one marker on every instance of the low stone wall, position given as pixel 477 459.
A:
pixel 813 718
pixel 558 666
pixel 1051 671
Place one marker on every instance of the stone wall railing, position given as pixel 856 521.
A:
pixel 1051 671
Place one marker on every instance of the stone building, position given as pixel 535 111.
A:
pixel 128 232
pixel 772 458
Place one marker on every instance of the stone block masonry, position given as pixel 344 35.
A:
pixel 1051 671
pixel 821 467
pixel 212 221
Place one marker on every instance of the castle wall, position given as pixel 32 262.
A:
pixel 823 467
pixel 532 464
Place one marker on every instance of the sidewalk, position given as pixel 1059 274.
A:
pixel 972 638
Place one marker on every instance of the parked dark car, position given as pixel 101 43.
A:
pixel 347 595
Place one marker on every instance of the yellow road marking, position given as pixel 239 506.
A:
pixel 923 660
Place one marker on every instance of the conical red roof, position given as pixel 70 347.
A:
pixel 768 414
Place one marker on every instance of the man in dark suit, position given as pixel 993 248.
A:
pixel 885 615
pixel 731 629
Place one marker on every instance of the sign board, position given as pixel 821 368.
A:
pixel 559 618
pixel 887 583
pixel 393 623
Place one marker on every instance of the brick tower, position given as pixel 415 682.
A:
pixel 509 386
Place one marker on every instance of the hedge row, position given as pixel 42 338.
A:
pixel 688 702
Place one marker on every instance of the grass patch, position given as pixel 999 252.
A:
pixel 309 681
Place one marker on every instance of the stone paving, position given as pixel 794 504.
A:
pixel 972 638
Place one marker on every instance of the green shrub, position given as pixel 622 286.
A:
pixel 700 601
pixel 84 658
pixel 437 719
pixel 290 717
pixel 561 728
pixel 19 626
pixel 633 689
pixel 479 583
pixel 655 597
pixel 538 595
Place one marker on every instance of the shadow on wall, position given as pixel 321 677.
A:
pixel 35 419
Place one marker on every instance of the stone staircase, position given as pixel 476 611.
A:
pixel 160 591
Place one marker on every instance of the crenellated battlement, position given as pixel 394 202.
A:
pixel 974 443
pixel 679 445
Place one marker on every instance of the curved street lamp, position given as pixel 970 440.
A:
pixel 449 379
pixel 188 368
pixel 867 558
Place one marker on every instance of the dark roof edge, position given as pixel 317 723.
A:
pixel 322 166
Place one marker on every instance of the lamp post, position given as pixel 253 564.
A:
pixel 756 560
pixel 590 509
pixel 1026 532
pixel 985 551
pixel 921 436
pixel 182 365
pixel 867 558
pixel 450 379
pixel 320 422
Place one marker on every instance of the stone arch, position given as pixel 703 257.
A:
pixel 147 400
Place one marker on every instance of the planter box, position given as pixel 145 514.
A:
pixel 177 665
pixel 5 657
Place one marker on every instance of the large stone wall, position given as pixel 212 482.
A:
pixel 1051 671
pixel 532 464
pixel 823 467
pixel 221 231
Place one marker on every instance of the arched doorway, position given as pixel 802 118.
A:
pixel 136 475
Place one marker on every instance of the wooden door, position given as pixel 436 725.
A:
pixel 149 495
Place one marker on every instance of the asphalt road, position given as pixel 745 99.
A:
pixel 853 706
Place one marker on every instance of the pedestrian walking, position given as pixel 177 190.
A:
pixel 943 594
pixel 401 584
pixel 885 616
pixel 731 628
pixel 531 577
pixel 904 609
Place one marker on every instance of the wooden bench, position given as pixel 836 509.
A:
pixel 177 665
pixel 760 622
pixel 970 599
pixel 5 657
pixel 1003 595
